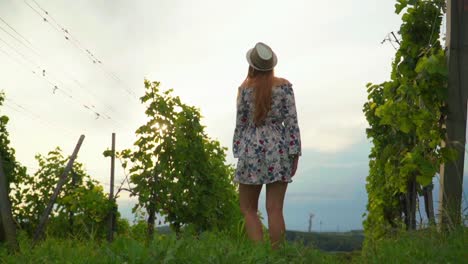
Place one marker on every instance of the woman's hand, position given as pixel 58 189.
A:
pixel 294 165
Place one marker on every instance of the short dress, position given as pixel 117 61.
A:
pixel 265 152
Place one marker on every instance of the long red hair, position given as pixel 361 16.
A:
pixel 262 83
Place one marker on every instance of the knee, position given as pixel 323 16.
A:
pixel 274 209
pixel 248 210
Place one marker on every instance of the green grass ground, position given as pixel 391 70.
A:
pixel 424 246
pixel 209 248
pixel 418 247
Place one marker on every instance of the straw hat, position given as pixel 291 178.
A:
pixel 261 57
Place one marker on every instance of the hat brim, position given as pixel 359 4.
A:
pixel 275 61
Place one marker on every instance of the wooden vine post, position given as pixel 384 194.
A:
pixel 7 224
pixel 71 214
pixel 451 173
pixel 39 233
pixel 110 234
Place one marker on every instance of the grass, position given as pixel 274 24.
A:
pixel 423 246
pixel 414 247
pixel 208 248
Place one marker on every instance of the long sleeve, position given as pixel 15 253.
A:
pixel 241 119
pixel 293 135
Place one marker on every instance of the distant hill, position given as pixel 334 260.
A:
pixel 326 241
pixel 329 241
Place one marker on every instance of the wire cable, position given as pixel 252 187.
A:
pixel 75 42
pixel 37 68
pixel 56 88
pixel 17 39
pixel 93 95
pixel 19 34
pixel 9 103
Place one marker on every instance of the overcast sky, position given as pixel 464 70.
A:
pixel 329 50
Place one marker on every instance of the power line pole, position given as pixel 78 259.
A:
pixel 311 216
pixel 451 173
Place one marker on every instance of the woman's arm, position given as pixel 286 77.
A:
pixel 241 119
pixel 293 135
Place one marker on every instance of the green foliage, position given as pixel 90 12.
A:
pixel 81 207
pixel 12 168
pixel 209 247
pixel 176 170
pixel 424 246
pixel 405 116
pixel 138 230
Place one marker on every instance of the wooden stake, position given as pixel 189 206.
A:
pixel 451 173
pixel 110 234
pixel 6 217
pixel 63 178
pixel 429 203
pixel 71 214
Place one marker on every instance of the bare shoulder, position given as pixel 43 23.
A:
pixel 281 81
pixel 244 84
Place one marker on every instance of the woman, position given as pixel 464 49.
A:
pixel 266 142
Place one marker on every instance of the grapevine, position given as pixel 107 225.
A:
pixel 405 116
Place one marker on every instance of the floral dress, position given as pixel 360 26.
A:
pixel 265 152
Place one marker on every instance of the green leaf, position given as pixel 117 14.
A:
pixel 406 125
pixel 449 154
pixel 400 5
pixel 4 119
pixel 424 179
pixel 107 153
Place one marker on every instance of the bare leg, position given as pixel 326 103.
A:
pixel 275 193
pixel 248 196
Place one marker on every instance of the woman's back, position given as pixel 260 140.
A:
pixel 281 91
pixel 264 150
